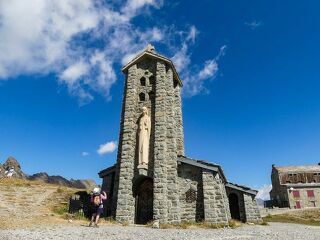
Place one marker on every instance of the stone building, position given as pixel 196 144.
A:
pixel 295 186
pixel 152 179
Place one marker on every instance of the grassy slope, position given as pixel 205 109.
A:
pixel 25 202
pixel 308 217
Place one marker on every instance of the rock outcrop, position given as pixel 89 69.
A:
pixel 13 163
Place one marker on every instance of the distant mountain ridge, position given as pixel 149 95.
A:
pixel 11 162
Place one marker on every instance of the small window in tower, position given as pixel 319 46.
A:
pixel 142 97
pixel 151 80
pixel 143 81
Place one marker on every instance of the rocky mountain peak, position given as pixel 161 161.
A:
pixel 11 162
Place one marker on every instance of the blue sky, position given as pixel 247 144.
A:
pixel 250 71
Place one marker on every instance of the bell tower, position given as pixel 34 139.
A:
pixel 151 138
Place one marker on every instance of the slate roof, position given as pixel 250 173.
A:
pixel 242 188
pixel 106 171
pixel 203 164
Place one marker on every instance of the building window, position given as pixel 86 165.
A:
pixel 143 81
pixel 313 203
pixel 142 97
pixel 310 193
pixel 298 205
pixel 296 193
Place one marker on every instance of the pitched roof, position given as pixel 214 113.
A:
pixel 242 188
pixel 106 171
pixel 203 164
pixel 305 168
pixel 150 52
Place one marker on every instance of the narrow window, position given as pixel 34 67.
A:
pixel 143 81
pixel 313 203
pixel 298 205
pixel 310 193
pixel 142 97
pixel 296 193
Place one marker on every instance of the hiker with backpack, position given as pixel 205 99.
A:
pixel 97 199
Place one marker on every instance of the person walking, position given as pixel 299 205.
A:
pixel 97 199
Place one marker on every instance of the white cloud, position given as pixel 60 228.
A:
pixel 81 41
pixel 107 147
pixel 84 154
pixel 263 192
pixel 132 6
pixel 74 72
pixel 44 36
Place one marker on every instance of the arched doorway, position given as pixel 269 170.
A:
pixel 234 206
pixel 144 201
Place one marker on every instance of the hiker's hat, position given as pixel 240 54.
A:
pixel 96 190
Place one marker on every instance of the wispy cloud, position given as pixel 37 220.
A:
pixel 195 77
pixel 107 147
pixel 254 24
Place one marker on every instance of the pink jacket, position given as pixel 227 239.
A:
pixel 103 197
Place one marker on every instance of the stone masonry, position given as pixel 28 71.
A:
pixel 171 188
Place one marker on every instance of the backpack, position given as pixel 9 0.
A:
pixel 96 200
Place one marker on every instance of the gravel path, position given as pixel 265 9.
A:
pixel 275 231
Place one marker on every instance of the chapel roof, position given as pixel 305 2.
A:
pixel 150 51
pixel 203 164
pixel 242 188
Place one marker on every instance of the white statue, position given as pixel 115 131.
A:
pixel 144 137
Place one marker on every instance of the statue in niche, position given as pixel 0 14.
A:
pixel 144 137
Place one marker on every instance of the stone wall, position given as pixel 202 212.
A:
pixel 125 170
pixel 171 143
pixel 178 117
pixel 251 208
pixel 278 192
pixel 216 207
pixel 160 147
pixel 191 193
pixel 162 98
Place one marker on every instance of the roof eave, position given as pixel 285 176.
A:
pixel 208 165
pixel 241 188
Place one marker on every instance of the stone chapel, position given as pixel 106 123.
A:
pixel 152 178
